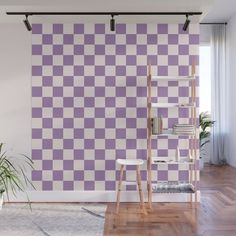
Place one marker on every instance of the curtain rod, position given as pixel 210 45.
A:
pixel 103 13
pixel 219 23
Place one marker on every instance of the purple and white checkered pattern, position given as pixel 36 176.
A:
pixel 89 100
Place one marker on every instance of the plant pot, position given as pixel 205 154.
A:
pixel 1 201
pixel 201 164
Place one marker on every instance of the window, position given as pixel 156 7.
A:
pixel 205 79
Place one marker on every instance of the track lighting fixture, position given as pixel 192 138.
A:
pixel 112 23
pixel 186 24
pixel 27 24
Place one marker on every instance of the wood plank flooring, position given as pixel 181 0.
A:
pixel 214 216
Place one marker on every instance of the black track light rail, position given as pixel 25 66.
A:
pixel 106 13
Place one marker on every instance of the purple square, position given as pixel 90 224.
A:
pixel 68 102
pixel 68 81
pixel 99 49
pixel 57 175
pixel 57 28
pixel 57 154
pixel 141 28
pixel 47 164
pixel 47 123
pixel 162 49
pixel 58 70
pixel 99 91
pixel 36 133
pixel 110 102
pixel 110 165
pixel 152 59
pixel 68 165
pixel 88 39
pixel 110 144
pixel 141 112
pixel 120 133
pixel 79 133
pixel 78 112
pixel 89 101
pixel 172 122
pixel 47 102
pixel 47 185
pixel 78 91
pixel 36 175
pixel 78 49
pixel 57 49
pixel 89 164
pixel 173 60
pixel 120 70
pixel 100 154
pixel 89 143
pixel 57 91
pixel 36 112
pixel 194 39
pixel 47 39
pixel 68 143
pixel 36 154
pixel 173 167
pixel 120 112
pixel 110 39
pixel 78 29
pixel 131 60
pixel 110 122
pixel 183 70
pixel 88 123
pixel 130 122
pixel 162 175
pixel 47 144
pixel 89 81
pixel 120 49
pixel 131 81
pixel 36 49
pixel 57 133
pixel 99 175
pixel 37 29
pixel 110 60
pixel 162 28
pixel 99 70
pixel 89 59
pixel 68 60
pixel 110 185
pixel 120 91
pixel 173 39
pixel 99 28
pixel 79 154
pixel 183 175
pixel 141 133
pixel 68 123
pixel 36 91
pixel 47 81
pixel 141 70
pixel 152 39
pixel 130 102
pixel 57 112
pixel 79 70
pixel 131 39
pixel 99 133
pixel 99 112
pixel 121 28
pixel 68 185
pixel 183 49
pixel 131 144
pixel 141 49
pixel 89 185
pixel 141 91
pixel 78 175
pixel 162 70
pixel 36 70
pixel 110 81
pixel 68 38
pixel 183 112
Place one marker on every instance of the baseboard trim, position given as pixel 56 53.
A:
pixel 98 196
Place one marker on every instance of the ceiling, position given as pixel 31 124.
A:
pixel 213 10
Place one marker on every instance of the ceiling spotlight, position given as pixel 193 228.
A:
pixel 27 24
pixel 186 24
pixel 112 23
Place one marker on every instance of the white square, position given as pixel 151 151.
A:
pixel 57 143
pixel 47 112
pixel 47 92
pixel 99 60
pixel 78 123
pixel 68 49
pixel 68 133
pixel 100 143
pixel 58 39
pixel 89 175
pixel 99 123
pixel 57 60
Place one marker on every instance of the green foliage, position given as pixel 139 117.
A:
pixel 205 124
pixel 12 172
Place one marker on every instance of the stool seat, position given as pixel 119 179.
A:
pixel 130 162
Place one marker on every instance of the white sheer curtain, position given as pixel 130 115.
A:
pixel 219 99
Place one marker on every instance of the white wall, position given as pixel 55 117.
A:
pixel 15 87
pixel 231 37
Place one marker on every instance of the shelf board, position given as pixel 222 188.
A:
pixel 173 188
pixel 161 160
pixel 169 132
pixel 173 78
pixel 169 105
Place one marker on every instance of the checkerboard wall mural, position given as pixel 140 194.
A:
pixel 89 100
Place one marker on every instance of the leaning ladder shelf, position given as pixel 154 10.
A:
pixel 168 132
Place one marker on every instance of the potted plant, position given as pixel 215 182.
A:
pixel 205 124
pixel 12 173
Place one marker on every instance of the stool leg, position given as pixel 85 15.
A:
pixel 119 189
pixel 140 188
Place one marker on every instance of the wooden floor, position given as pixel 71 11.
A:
pixel 214 216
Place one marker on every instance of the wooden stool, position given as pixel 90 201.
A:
pixel 133 162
